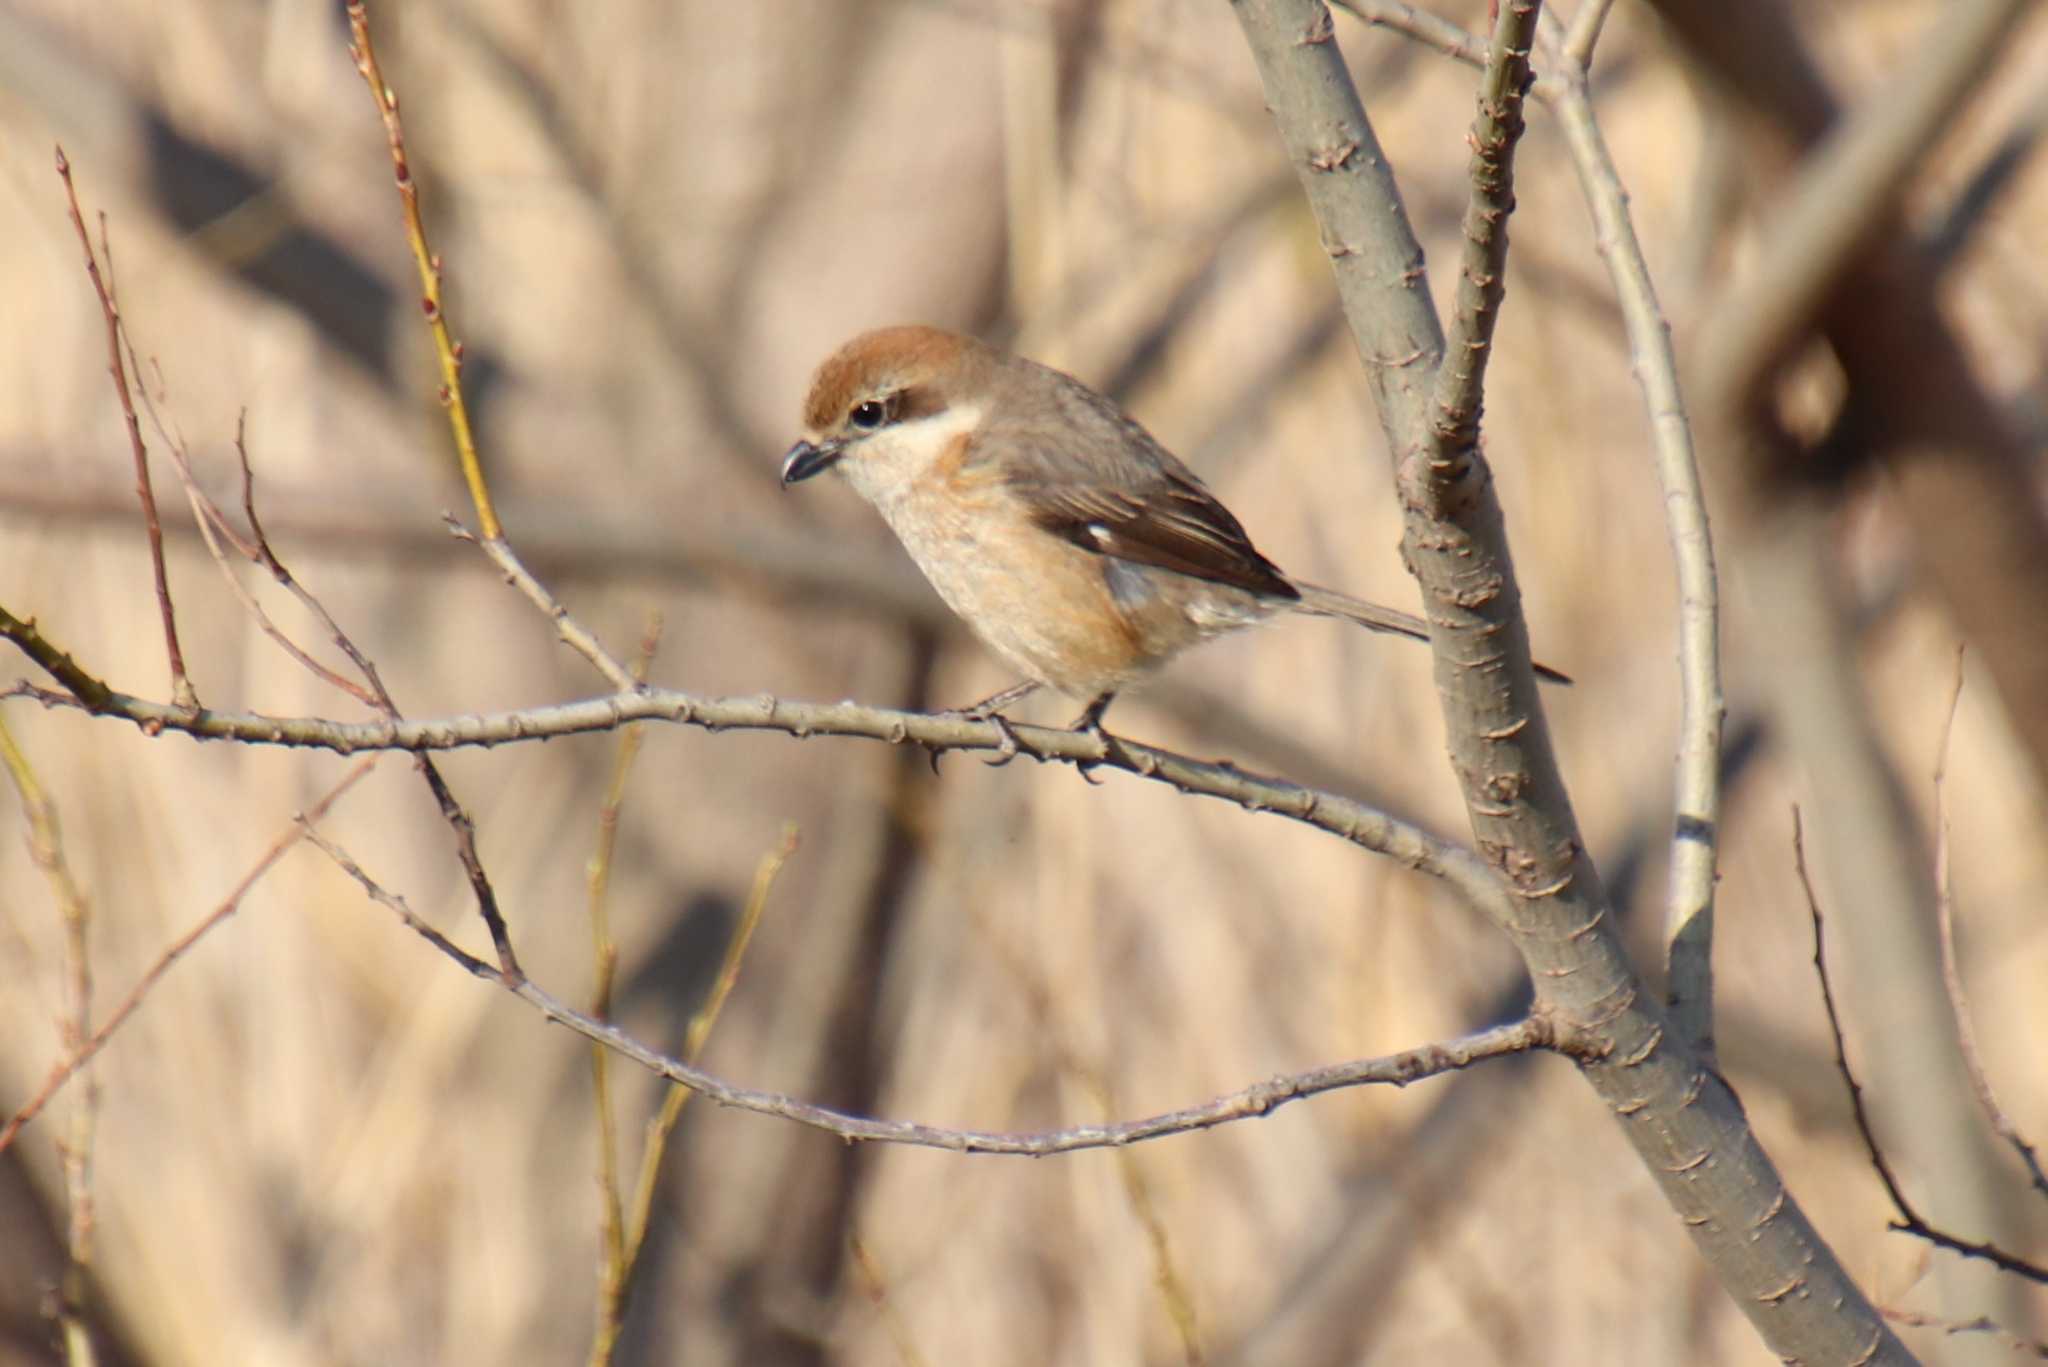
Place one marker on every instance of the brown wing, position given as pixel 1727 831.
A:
pixel 1134 502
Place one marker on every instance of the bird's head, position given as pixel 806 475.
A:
pixel 889 404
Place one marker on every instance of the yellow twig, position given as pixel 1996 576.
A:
pixel 605 953
pixel 693 1043
pixel 46 848
pixel 877 1288
pixel 446 349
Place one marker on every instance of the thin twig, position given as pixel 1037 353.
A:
pixel 472 862
pixel 46 849
pixel 875 1287
pixel 1259 1099
pixel 1983 1324
pixel 181 683
pixel 214 528
pixel 641 1214
pixel 98 1039
pixel 446 350
pixel 572 632
pixel 605 957
pixel 1431 30
pixel 1827 997
pixel 264 555
pixel 1909 1221
pixel 1951 970
pixel 1453 40
pixel 376 893
pixel 257 548
pixel 1577 45
pixel 1460 383
pixel 449 353
pixel 1696 781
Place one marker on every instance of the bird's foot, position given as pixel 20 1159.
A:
pixel 1008 746
pixel 1089 723
pixel 989 709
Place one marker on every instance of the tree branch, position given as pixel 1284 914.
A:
pixel 1686 1124
pixel 90 1046
pixel 1341 816
pixel 1259 1099
pixel 103 288
pixel 1460 383
pixel 1696 782
pixel 1910 1220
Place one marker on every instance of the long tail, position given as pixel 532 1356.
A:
pixel 1323 602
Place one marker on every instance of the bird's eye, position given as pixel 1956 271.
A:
pixel 869 414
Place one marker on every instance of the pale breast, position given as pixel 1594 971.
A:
pixel 1040 603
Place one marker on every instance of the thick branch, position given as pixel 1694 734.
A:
pixel 1350 186
pixel 1685 1123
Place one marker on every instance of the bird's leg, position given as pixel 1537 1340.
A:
pixel 988 707
pixel 1089 723
pixel 1090 720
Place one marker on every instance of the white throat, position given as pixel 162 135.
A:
pixel 888 465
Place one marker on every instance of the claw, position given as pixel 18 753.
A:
pixel 1089 723
pixel 1010 747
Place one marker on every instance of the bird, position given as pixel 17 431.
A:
pixel 1081 551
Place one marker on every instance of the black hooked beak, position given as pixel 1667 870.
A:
pixel 805 460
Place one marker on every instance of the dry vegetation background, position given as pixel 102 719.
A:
pixel 319 1142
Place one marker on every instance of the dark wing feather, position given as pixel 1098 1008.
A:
pixel 1140 505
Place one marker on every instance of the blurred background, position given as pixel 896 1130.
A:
pixel 320 1142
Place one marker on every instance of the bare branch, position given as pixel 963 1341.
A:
pixel 695 1036
pixel 1951 970
pixel 1431 30
pixel 1683 1120
pixel 214 528
pixel 1983 1324
pixel 1909 1221
pixel 1341 816
pixel 1696 784
pixel 1460 383
pixel 103 287
pixel 604 953
pixel 1577 45
pixel 1349 183
pixel 63 1072
pixel 75 1149
pixel 1259 1099
pixel 447 350
pixel 572 632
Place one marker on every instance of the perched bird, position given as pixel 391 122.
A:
pixel 1080 550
